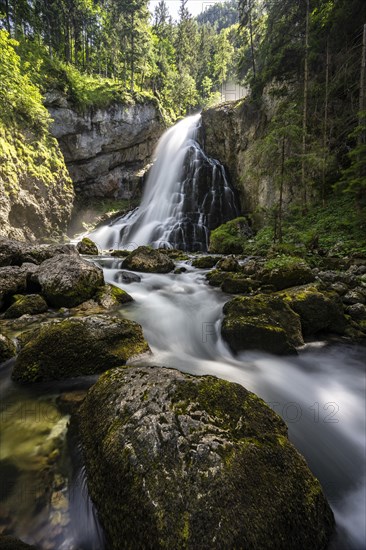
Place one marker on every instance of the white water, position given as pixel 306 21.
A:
pixel 320 394
pixel 186 194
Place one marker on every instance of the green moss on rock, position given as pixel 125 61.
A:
pixel 203 463
pixel 78 347
pixel 204 262
pixel 88 247
pixel 261 322
pixel 285 272
pixel 230 237
pixel 30 304
pixel 109 296
pixel 236 283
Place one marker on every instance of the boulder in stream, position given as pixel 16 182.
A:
pixel 29 304
pixel 178 461
pixel 7 348
pixel 261 322
pixel 148 260
pixel 67 281
pixel 77 347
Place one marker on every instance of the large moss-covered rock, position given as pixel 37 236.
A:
pixel 286 272
pixel 228 264
pixel 77 347
pixel 7 348
pixel 67 281
pixel 87 246
pixel 216 277
pixel 204 262
pixel 148 260
pixel 261 322
pixel 236 283
pixel 30 304
pixel 109 296
pixel 177 461
pixel 319 311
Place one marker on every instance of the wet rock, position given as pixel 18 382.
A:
pixel 31 304
pixel 126 277
pixel 235 283
pixel 261 322
pixel 67 281
pixel 7 348
pixel 69 402
pixel 77 347
pixel 203 463
pixel 287 276
pixel 120 253
pixel 148 260
pixel 87 246
pixel 109 296
pixel 319 311
pixel 216 277
pixel 354 297
pixel 17 253
pixel 13 280
pixel 180 270
pixel 330 277
pixel 204 262
pixel 339 288
pixel 228 264
pixel 357 311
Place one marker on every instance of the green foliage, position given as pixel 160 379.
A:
pixel 20 99
pixel 283 261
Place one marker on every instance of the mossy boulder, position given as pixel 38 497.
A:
pixel 67 281
pixel 204 262
pixel 88 247
pixel 319 311
pixel 228 264
pixel 285 272
pixel 77 347
pixel 235 283
pixel 14 252
pixel 7 348
pixel 216 277
pixel 261 322
pixel 230 237
pixel 109 296
pixel 148 260
pixel 29 304
pixel 177 461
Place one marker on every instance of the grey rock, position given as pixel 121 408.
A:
pixel 201 462
pixel 67 281
pixel 354 297
pixel 357 311
pixel 126 277
pixel 146 259
pixel 7 348
pixel 13 280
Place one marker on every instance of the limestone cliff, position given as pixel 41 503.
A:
pixel 36 192
pixel 107 151
pixel 230 132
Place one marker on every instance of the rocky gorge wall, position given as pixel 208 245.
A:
pixel 107 151
pixel 230 132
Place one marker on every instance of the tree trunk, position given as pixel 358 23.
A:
pixel 280 204
pixel 132 51
pixel 325 125
pixel 305 109
pixel 251 38
pixel 7 15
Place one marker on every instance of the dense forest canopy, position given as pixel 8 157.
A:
pixel 307 56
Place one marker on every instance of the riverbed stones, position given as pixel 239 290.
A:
pixel 177 461
pixel 7 348
pixel 149 260
pixel 13 252
pixel 77 347
pixel 204 262
pixel 67 281
pixel 13 280
pixel 30 304
pixel 261 322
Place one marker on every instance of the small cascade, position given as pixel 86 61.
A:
pixel 187 195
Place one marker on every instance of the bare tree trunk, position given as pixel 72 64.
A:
pixel 251 38
pixel 305 109
pixel 132 52
pixel 325 125
pixel 362 101
pixel 280 204
pixel 7 15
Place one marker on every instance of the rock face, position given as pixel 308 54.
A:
pixel 148 260
pixel 229 133
pixel 36 192
pixel 107 150
pixel 261 322
pixel 176 461
pixel 67 281
pixel 77 347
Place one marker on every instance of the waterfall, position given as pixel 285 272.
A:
pixel 187 194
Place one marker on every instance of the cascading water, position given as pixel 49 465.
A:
pixel 187 194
